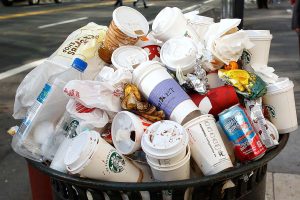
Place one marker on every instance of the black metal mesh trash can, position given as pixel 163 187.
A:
pixel 249 180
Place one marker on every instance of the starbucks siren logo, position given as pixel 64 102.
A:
pixel 246 57
pixel 271 111
pixel 115 162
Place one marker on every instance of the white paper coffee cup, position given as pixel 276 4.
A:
pixel 165 143
pixel 178 171
pixel 179 52
pixel 207 147
pixel 91 156
pixel 128 57
pixel 280 103
pixel 169 23
pixel 163 91
pixel 127 130
pixel 259 54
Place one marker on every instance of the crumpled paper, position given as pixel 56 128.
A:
pixel 265 73
pixel 103 93
pixel 230 47
pixel 132 100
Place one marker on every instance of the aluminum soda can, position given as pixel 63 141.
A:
pixel 236 125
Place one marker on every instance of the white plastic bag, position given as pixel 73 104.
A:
pixel 88 118
pixel 103 93
pixel 32 85
pixel 82 43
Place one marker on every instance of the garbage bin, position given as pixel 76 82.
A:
pixel 249 180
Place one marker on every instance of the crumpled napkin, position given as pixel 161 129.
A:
pixel 230 47
pixel 265 73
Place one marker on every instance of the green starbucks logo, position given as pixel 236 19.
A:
pixel 246 57
pixel 115 162
pixel 271 111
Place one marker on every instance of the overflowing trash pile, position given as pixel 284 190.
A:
pixel 190 98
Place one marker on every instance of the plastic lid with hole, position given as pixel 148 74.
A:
pixel 80 150
pixel 179 52
pixel 164 139
pixel 130 21
pixel 124 124
pixel 128 57
pixel 282 84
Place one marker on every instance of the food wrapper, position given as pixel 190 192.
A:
pixel 254 111
pixel 132 100
pixel 246 83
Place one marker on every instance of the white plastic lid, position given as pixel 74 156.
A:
pixel 281 84
pixel 143 69
pixel 165 18
pixel 128 57
pixel 164 139
pixel 259 34
pixel 123 126
pixel 80 150
pixel 179 52
pixel 130 21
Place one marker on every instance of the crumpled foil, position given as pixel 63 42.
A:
pixel 133 101
pixel 196 81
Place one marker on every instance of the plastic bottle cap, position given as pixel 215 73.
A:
pixel 79 64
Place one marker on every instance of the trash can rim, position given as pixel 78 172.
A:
pixel 205 180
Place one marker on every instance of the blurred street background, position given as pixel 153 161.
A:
pixel 29 34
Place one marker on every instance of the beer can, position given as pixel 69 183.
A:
pixel 236 125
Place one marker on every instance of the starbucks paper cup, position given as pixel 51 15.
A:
pixel 179 52
pixel 127 130
pixel 126 27
pixel 169 23
pixel 280 103
pixel 128 57
pixel 259 54
pixel 92 157
pixel 163 91
pixel 165 143
pixel 207 147
pixel 178 171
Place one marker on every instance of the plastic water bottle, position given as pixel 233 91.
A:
pixel 38 126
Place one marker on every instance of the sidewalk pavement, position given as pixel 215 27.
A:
pixel 283 178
